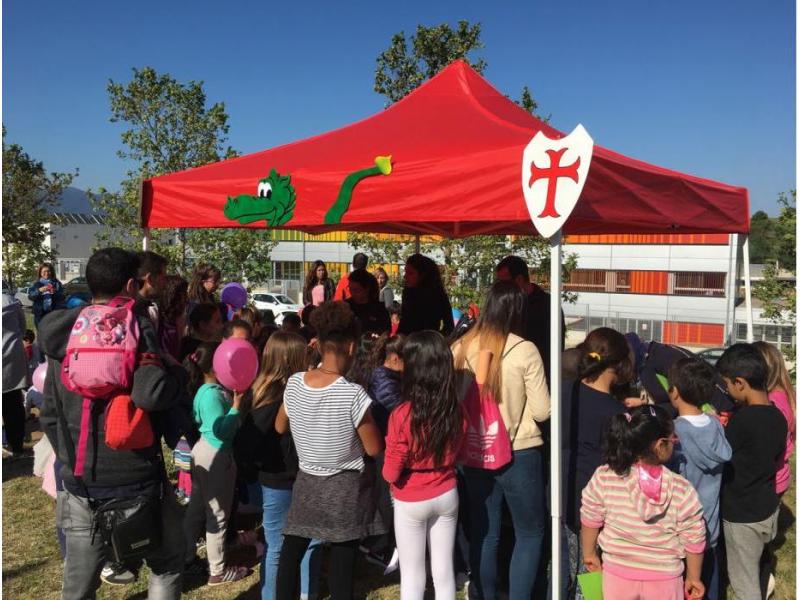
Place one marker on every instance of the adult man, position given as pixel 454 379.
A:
pixel 360 261
pixel 537 320
pixel 110 474
pixel 15 374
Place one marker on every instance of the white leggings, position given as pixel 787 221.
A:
pixel 433 521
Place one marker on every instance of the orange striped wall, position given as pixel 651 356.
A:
pixel 715 239
pixel 649 282
pixel 698 334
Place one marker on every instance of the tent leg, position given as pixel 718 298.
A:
pixel 416 244
pixel 146 239
pixel 555 412
pixel 748 295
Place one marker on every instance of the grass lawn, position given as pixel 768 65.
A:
pixel 32 565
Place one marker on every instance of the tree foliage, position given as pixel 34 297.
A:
pixel 169 128
pixel 432 49
pixel 29 194
pixel 776 292
pixel 468 263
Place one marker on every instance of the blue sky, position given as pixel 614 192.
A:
pixel 702 87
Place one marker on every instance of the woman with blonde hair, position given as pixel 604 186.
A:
pixel 781 394
pixel 516 381
pixel 274 457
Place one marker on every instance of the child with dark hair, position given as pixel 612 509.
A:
pixel 213 466
pixel 394 317
pixel 701 451
pixel 172 303
pixel 237 328
pixel 205 325
pixel 307 331
pixel 757 435
pixel 646 518
pixel 332 429
pixel 425 434
pixel 385 379
pixel 291 323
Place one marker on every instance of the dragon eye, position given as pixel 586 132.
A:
pixel 264 190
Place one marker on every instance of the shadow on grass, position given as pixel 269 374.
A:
pixel 22 569
pixel 786 520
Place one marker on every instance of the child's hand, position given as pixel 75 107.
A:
pixel 592 562
pixel 633 402
pixel 694 589
pixel 237 399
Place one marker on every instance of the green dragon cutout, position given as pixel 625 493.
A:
pixel 276 199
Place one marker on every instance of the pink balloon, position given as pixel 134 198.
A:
pixel 236 364
pixel 38 377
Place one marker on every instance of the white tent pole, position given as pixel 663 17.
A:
pixel 555 412
pixel 748 296
pixel 729 300
pixel 145 238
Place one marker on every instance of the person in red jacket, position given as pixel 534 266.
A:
pixel 425 434
pixel 360 261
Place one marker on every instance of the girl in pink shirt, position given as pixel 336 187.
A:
pixel 781 394
pixel 424 436
pixel 646 518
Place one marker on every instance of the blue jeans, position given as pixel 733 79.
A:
pixel 521 484
pixel 276 506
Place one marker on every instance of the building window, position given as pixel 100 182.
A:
pixel 699 284
pixel 288 270
pixel 586 280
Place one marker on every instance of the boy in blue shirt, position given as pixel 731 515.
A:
pixel 702 451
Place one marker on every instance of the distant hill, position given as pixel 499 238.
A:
pixel 73 200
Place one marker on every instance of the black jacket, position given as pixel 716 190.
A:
pixel 384 389
pixel 155 388
pixel 424 309
pixel 373 316
pixel 264 454
pixel 537 325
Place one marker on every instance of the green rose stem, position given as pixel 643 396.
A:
pixel 383 166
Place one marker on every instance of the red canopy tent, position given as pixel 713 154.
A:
pixel 456 147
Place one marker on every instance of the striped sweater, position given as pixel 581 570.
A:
pixel 643 539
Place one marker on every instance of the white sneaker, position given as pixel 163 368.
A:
pixel 394 562
pixel 771 585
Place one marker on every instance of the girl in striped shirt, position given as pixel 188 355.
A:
pixel 646 518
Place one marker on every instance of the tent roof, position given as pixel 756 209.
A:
pixel 456 145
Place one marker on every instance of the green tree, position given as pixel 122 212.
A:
pixel 169 128
pixel 776 291
pixel 761 237
pixel 469 262
pixel 29 194
pixel 432 49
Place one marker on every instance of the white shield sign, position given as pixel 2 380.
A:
pixel 553 174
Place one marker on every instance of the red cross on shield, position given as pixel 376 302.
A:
pixel 553 174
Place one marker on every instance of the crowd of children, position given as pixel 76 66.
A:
pixel 401 446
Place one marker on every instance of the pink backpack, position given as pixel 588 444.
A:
pixel 487 445
pixel 100 360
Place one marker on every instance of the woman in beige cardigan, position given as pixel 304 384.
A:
pixel 516 380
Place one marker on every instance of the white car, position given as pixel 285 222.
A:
pixel 279 304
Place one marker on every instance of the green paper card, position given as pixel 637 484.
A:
pixel 591 585
pixel 663 381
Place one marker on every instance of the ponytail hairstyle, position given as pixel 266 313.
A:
pixel 503 313
pixel 386 345
pixel 429 385
pixel 777 375
pixel 365 360
pixel 198 364
pixel 284 355
pixel 602 349
pixel 630 436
